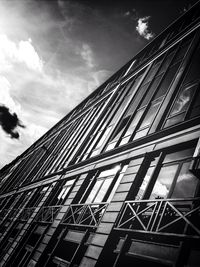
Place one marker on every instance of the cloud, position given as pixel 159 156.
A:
pixel 86 53
pixel 5 97
pixel 22 52
pixel 9 122
pixel 143 28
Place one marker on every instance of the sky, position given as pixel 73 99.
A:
pixel 54 53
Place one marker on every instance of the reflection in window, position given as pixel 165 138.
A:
pixel 164 181
pixel 171 178
pixel 146 179
pixel 186 183
pixel 187 102
pixel 181 105
pixel 102 184
pixel 65 190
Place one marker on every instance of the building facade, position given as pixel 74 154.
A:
pixel 116 181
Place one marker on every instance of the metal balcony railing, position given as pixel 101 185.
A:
pixel 47 214
pixel 85 214
pixel 172 217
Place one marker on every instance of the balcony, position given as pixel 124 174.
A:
pixel 85 214
pixel 169 217
pixel 47 214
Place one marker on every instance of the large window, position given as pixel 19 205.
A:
pixel 103 184
pixel 60 192
pixel 168 176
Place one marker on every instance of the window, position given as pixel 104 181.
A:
pixel 136 95
pixel 101 187
pixel 99 137
pixel 187 102
pixel 168 176
pixel 24 252
pixel 74 242
pixel 37 197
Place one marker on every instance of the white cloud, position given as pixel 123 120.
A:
pixel 22 52
pixel 5 97
pixel 86 54
pixel 143 28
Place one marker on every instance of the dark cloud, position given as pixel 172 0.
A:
pixel 9 122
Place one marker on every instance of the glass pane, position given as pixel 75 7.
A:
pixel 174 120
pixel 194 72
pixel 134 122
pixel 151 74
pixel 182 154
pixel 182 50
pixel 186 183
pixel 124 140
pixel 121 127
pixel 163 182
pixel 183 100
pixel 94 191
pixel 117 183
pixel 144 183
pixel 104 137
pixel 109 172
pixel 110 146
pixel 151 90
pixel 66 191
pixel 134 103
pixel 103 190
pixel 166 62
pixel 196 106
pixel 164 86
pixel 74 236
pixel 141 133
pixel 151 113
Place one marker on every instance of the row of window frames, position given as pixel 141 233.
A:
pixel 156 102
pixel 95 137
pixel 110 117
pixel 99 184
pixel 62 131
pixel 36 158
pixel 146 80
pixel 96 187
pixel 77 141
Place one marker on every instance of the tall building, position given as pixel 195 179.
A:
pixel 116 181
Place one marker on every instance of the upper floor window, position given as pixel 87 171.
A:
pixel 186 104
pixel 145 106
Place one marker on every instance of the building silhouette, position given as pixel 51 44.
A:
pixel 116 181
